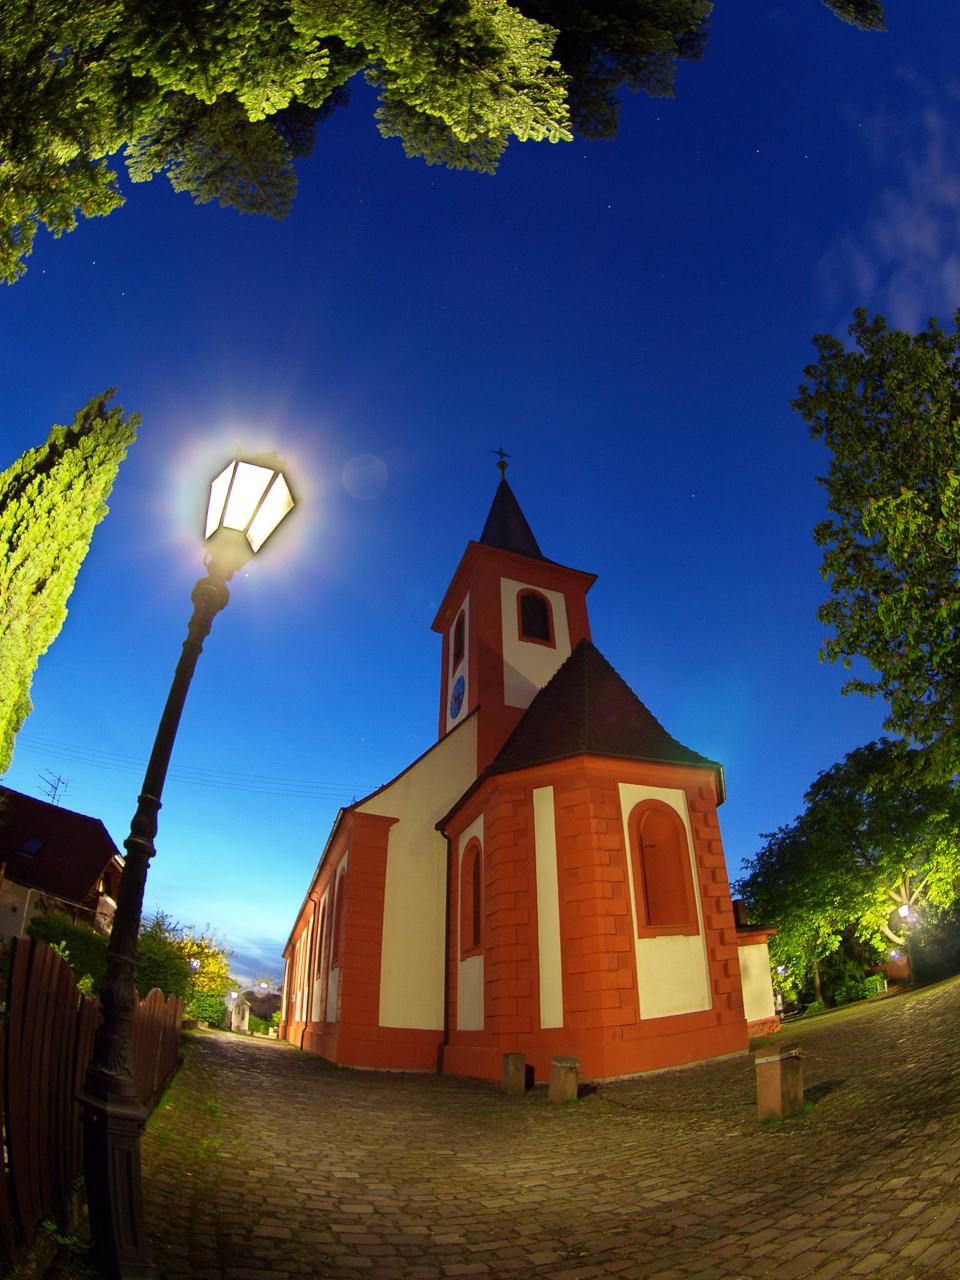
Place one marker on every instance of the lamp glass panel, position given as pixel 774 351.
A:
pixel 272 510
pixel 218 498
pixel 249 485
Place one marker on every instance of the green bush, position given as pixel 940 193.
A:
pixel 86 948
pixel 260 1025
pixel 875 985
pixel 817 1006
pixel 848 991
pixel 159 964
pixel 275 1019
pixel 207 1008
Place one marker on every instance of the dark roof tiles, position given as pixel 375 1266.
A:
pixel 51 849
pixel 588 709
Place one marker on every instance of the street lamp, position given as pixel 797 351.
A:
pixel 247 501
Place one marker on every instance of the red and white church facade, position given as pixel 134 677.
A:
pixel 548 878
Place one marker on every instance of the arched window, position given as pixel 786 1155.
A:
pixel 458 641
pixel 471 900
pixel 336 941
pixel 536 621
pixel 663 882
pixel 475 895
pixel 321 939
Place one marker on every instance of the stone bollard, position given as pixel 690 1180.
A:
pixel 564 1078
pixel 779 1082
pixel 514 1079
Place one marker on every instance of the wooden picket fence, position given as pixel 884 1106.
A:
pixel 46 1043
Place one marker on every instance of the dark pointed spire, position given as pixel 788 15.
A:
pixel 507 526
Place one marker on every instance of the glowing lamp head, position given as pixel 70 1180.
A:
pixel 903 912
pixel 263 986
pixel 248 499
pixel 233 995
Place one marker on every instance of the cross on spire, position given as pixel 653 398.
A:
pixel 502 464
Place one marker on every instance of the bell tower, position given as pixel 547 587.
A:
pixel 509 619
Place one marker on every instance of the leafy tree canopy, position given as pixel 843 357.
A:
pixel 51 500
pixel 223 96
pixel 205 959
pixel 888 412
pixel 866 845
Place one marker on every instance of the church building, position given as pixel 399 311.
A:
pixel 548 878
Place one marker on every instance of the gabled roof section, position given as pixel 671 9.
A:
pixel 507 526
pixel 51 849
pixel 588 709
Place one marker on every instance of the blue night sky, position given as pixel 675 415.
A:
pixel 628 318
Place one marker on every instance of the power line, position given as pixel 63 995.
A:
pixel 260 784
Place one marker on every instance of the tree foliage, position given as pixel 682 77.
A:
pixel 179 961
pixel 202 957
pixel 51 500
pixel 888 412
pixel 865 845
pixel 223 96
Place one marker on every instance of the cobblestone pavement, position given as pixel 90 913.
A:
pixel 264 1162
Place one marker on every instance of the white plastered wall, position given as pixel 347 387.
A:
pixel 462 670
pixel 470 1004
pixel 756 982
pixel 526 666
pixel 548 908
pixel 414 900
pixel 18 906
pixel 672 972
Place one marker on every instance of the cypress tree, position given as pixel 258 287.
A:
pixel 51 499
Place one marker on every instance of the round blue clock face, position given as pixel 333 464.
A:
pixel 456 698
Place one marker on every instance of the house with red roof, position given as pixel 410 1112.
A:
pixel 52 859
pixel 548 878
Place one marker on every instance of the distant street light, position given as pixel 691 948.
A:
pixel 248 499
pixel 903 912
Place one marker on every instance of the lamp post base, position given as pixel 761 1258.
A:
pixel 111 1149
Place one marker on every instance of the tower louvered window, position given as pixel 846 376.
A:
pixel 535 617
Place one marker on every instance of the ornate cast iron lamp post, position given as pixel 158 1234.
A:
pixel 248 499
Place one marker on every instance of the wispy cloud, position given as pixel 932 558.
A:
pixel 905 262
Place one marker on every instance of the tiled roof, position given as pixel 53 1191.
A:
pixel 507 527
pixel 51 849
pixel 587 709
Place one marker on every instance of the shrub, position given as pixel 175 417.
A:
pixel 875 985
pixel 817 1006
pixel 86 948
pixel 275 1020
pixel 848 991
pixel 160 964
pixel 207 1008
pixel 260 1025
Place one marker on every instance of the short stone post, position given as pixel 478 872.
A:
pixel 514 1079
pixel 779 1082
pixel 564 1078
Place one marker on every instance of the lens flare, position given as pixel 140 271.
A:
pixel 365 476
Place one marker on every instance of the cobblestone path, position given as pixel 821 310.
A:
pixel 266 1162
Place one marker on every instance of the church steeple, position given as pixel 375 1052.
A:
pixel 509 619
pixel 507 526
